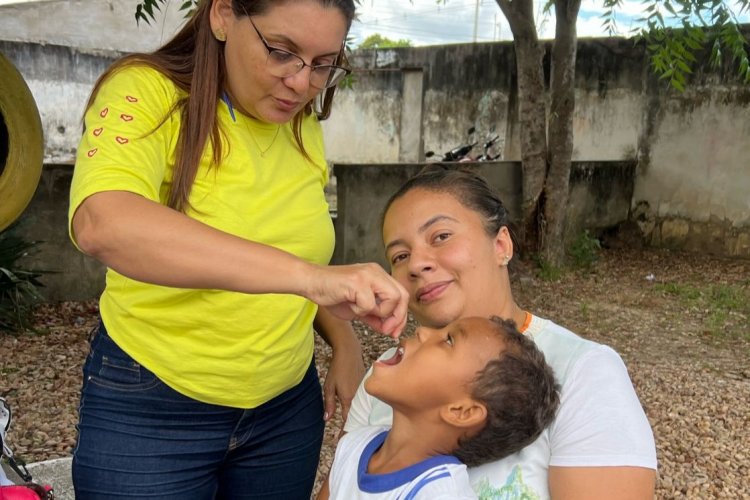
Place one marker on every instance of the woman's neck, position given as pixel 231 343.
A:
pixel 507 307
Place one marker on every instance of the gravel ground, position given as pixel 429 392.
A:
pixel 680 321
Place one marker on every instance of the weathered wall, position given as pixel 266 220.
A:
pixel 60 79
pixel 72 275
pixel 693 185
pixel 88 24
pixel 464 85
pixel 693 177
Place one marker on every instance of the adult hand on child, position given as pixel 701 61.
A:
pixel 361 291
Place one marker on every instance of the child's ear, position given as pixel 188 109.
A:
pixel 465 413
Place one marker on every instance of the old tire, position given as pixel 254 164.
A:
pixel 21 144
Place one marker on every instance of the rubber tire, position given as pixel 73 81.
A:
pixel 23 164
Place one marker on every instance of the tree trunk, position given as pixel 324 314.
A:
pixel 562 106
pixel 531 113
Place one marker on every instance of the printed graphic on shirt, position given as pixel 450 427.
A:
pixel 513 489
pixel 118 138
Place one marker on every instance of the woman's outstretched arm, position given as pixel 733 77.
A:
pixel 149 242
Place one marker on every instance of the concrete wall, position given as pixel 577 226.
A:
pixel 70 275
pixel 88 25
pixel 693 175
pixel 60 79
pixel 693 185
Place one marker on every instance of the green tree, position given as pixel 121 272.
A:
pixel 146 10
pixel 546 134
pixel 378 41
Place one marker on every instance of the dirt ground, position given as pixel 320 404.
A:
pixel 681 322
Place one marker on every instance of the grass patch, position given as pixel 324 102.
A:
pixel 725 308
pixel 547 271
pixel 584 251
pixel 585 309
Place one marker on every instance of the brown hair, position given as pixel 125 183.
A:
pixel 194 61
pixel 468 187
pixel 520 393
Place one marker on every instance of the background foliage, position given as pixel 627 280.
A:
pixel 18 287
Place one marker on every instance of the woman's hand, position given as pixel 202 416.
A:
pixel 361 291
pixel 345 372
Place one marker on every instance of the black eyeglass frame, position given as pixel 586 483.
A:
pixel 336 73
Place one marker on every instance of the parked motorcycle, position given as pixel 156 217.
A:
pixel 462 153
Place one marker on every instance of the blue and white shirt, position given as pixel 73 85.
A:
pixel 442 477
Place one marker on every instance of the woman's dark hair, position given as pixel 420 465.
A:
pixel 467 186
pixel 520 393
pixel 194 61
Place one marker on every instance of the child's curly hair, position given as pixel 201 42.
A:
pixel 521 396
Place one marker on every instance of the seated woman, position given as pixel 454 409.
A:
pixel 448 242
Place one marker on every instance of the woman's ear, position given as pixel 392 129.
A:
pixel 464 414
pixel 221 14
pixel 503 246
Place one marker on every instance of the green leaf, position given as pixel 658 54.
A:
pixel 679 85
pixel 684 67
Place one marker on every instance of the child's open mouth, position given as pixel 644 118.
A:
pixel 398 355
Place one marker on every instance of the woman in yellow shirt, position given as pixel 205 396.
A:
pixel 199 184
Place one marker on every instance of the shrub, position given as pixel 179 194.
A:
pixel 584 251
pixel 18 287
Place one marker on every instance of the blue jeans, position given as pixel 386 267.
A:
pixel 138 438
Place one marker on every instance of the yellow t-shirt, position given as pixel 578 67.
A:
pixel 215 346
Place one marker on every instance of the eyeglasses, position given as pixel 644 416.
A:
pixel 282 64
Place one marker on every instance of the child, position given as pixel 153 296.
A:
pixel 472 392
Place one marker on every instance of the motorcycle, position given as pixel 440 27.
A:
pixel 462 153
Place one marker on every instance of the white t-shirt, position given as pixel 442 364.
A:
pixel 600 421
pixel 441 477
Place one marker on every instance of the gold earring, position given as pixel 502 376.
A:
pixel 220 34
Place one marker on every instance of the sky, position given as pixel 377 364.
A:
pixel 424 22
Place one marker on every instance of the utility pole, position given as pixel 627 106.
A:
pixel 476 20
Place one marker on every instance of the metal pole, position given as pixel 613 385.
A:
pixel 476 20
